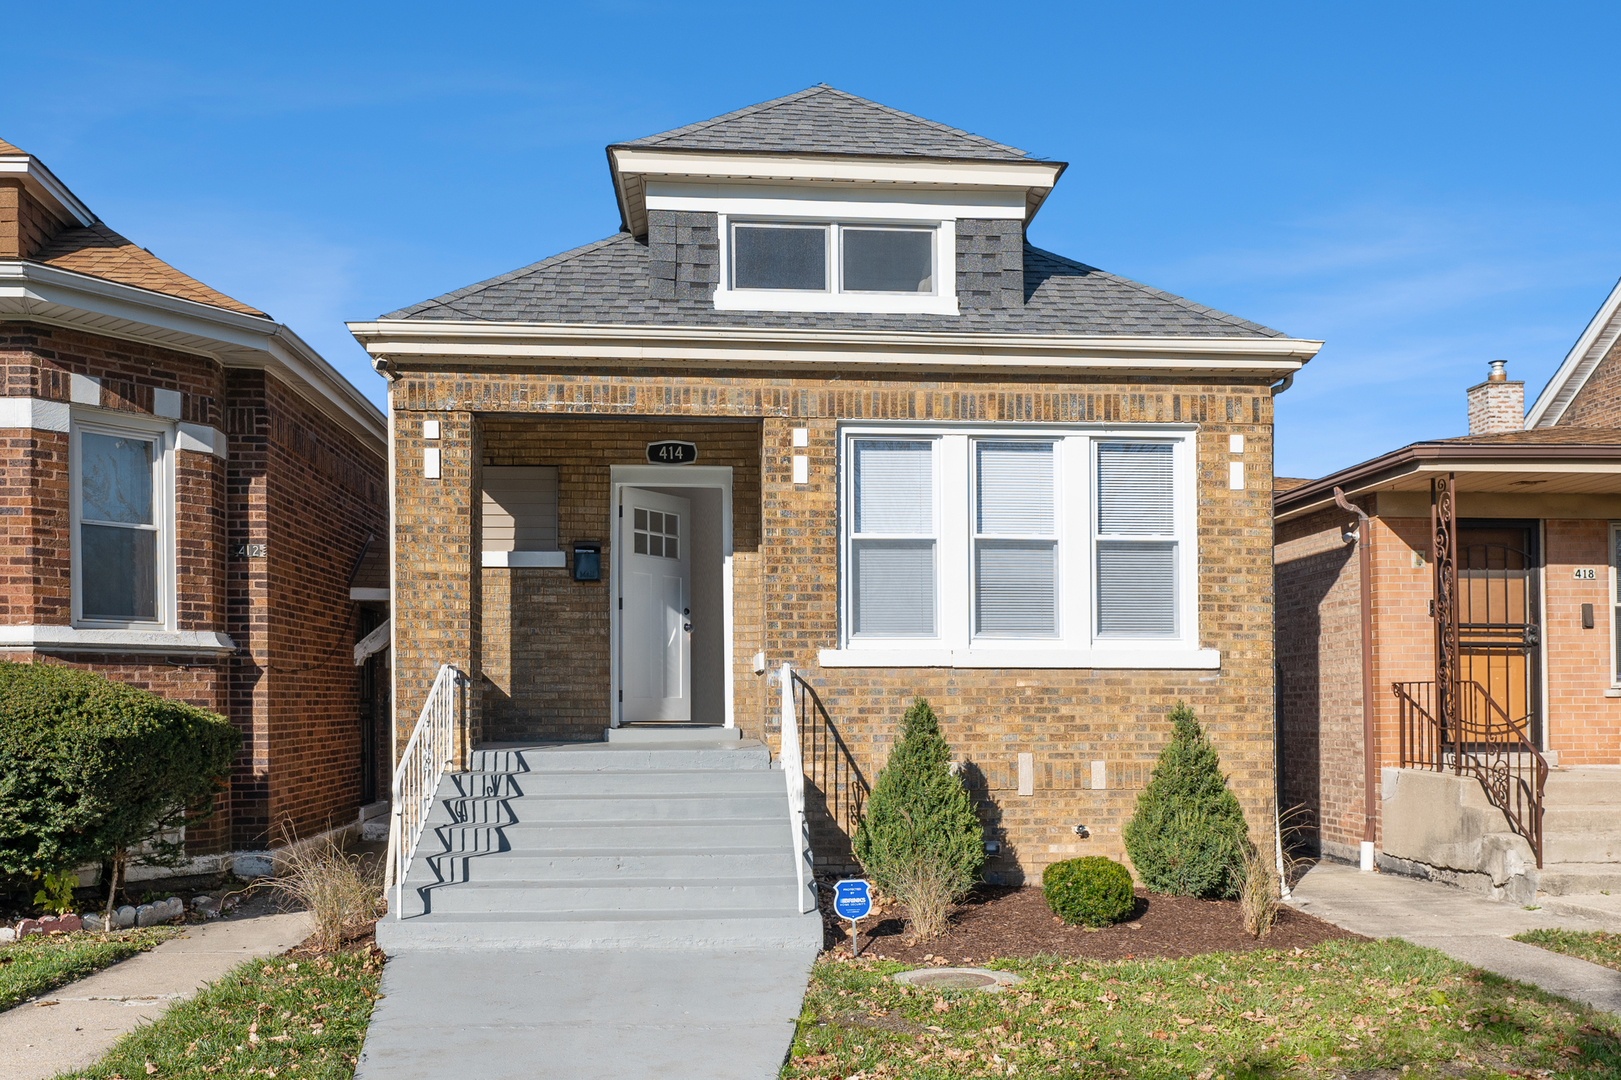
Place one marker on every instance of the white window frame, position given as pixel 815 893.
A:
pixel 941 301
pixel 162 435
pixel 1611 629
pixel 1077 644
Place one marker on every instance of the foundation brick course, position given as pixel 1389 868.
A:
pixel 537 644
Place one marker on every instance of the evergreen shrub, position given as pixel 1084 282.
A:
pixel 1089 891
pixel 920 837
pixel 91 769
pixel 1187 836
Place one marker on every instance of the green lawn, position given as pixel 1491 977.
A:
pixel 277 1017
pixel 37 964
pixel 1340 1009
pixel 1597 946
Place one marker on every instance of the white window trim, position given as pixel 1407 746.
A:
pixel 105 422
pixel 943 301
pixel 1077 645
pixel 1613 568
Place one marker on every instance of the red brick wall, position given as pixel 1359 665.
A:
pixel 36 586
pixel 1583 725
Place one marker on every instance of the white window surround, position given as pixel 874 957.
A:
pixel 106 422
pixel 1613 623
pixel 1077 643
pixel 942 301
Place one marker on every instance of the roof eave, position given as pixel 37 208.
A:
pixel 1595 341
pixel 1362 478
pixel 46 189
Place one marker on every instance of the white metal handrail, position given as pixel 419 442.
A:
pixel 417 776
pixel 793 767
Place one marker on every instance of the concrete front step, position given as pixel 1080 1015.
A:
pixel 609 835
pixel 562 866
pixel 1581 847
pixel 767 928
pixel 1568 878
pixel 566 809
pixel 505 785
pixel 671 733
pixel 626 897
pixel 617 757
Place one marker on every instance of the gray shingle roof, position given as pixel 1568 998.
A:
pixel 608 282
pixel 822 120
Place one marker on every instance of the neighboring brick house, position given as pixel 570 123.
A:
pixel 1523 617
pixel 187 490
pixel 930 459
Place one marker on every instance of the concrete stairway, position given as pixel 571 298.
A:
pixel 1581 833
pixel 655 838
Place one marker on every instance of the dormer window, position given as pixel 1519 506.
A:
pixel 851 265
pixel 806 257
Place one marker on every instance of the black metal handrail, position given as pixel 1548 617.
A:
pixel 1485 743
pixel 835 790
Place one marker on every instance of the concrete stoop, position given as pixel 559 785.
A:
pixel 667 838
pixel 1440 827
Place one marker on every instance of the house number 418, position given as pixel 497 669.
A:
pixel 1586 573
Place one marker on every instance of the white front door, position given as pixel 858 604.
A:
pixel 655 541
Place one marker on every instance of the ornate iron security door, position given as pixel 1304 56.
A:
pixel 1499 636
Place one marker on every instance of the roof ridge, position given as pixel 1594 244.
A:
pixel 447 300
pixel 1161 294
pixel 813 91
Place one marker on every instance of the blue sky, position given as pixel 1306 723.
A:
pixel 1417 184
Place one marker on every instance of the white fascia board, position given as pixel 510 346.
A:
pixel 74 639
pixel 408 340
pixel 45 187
pixel 842 203
pixel 685 163
pixel 1596 339
pixel 45 293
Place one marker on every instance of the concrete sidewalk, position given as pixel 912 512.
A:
pixel 1463 925
pixel 39 1040
pixel 625 1014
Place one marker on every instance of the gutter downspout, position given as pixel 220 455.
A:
pixel 1363 538
pixel 1277 713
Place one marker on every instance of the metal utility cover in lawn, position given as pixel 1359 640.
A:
pixel 852 899
pixel 961 978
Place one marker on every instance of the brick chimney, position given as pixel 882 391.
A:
pixel 1496 404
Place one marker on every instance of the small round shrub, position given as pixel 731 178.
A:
pixel 1090 891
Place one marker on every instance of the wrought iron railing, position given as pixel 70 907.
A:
pixel 417 776
pixel 837 791
pixel 1484 742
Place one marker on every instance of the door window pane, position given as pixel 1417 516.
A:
pixel 119 573
pixel 888 260
pixel 779 257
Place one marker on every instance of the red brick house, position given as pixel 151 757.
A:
pixel 186 494
pixel 1449 682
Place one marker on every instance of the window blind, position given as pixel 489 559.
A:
pixel 1015 571
pixel 1016 588
pixel 1136 578
pixel 1135 490
pixel 1015 487
pixel 894 487
pixel 1137 589
pixel 893 586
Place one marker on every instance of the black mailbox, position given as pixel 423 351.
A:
pixel 587 561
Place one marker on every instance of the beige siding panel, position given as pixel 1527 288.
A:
pixel 520 508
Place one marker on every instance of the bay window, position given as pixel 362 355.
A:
pixel 120 493
pixel 1017 545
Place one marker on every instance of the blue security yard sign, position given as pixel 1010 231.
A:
pixel 852 899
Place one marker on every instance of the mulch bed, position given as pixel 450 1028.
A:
pixel 1003 921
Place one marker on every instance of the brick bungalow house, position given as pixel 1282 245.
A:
pixel 188 489
pixel 1449 685
pixel 819 403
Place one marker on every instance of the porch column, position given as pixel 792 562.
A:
pixel 437 551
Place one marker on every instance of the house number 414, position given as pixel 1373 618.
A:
pixel 1585 573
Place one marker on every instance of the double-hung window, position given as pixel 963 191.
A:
pixel 120 494
pixel 1017 545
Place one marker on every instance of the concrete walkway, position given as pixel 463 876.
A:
pixel 625 1014
pixel 1464 926
pixel 39 1040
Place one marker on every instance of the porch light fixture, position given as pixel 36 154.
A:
pixel 587 561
